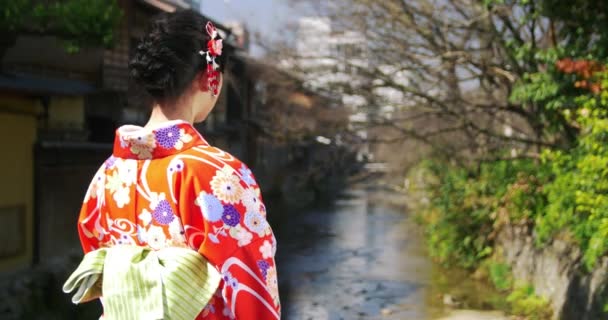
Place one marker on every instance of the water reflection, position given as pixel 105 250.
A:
pixel 359 259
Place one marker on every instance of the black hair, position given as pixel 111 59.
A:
pixel 167 59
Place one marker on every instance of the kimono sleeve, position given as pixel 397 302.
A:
pixel 251 277
pixel 90 231
pixel 225 220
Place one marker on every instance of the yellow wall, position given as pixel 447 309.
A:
pixel 66 112
pixel 17 136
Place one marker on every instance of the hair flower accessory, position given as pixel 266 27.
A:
pixel 214 50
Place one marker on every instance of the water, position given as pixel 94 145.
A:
pixel 361 258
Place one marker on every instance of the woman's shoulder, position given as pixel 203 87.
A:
pixel 207 158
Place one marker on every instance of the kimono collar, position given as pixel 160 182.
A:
pixel 134 142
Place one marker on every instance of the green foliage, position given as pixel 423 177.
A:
pixel 564 195
pixel 461 217
pixel 567 194
pixel 500 275
pixel 576 29
pixel 562 91
pixel 578 196
pixel 78 23
pixel 522 299
pixel 583 25
pixel 524 302
pixel 12 13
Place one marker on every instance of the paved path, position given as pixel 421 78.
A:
pixel 475 315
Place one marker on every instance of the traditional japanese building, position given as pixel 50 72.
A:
pixel 58 113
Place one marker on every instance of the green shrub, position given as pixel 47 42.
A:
pixel 565 195
pixel 500 275
pixel 524 302
pixel 578 195
pixel 461 217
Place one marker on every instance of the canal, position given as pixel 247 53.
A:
pixel 363 257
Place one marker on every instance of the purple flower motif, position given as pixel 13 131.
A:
pixel 163 213
pixel 231 216
pixel 167 137
pixel 247 175
pixel 110 162
pixel 264 266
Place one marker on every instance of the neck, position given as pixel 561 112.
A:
pixel 163 113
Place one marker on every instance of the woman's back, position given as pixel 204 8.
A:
pixel 166 187
pixel 166 193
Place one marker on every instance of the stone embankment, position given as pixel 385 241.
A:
pixel 557 273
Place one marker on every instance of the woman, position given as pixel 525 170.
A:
pixel 165 186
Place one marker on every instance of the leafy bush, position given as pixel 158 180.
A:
pixel 522 299
pixel 500 275
pixel 463 211
pixel 524 302
pixel 79 23
pixel 566 194
pixel 578 195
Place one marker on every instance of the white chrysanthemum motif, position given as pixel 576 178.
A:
pixel 225 186
pixel 255 222
pixel 251 199
pixel 156 237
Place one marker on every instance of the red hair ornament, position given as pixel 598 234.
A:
pixel 214 50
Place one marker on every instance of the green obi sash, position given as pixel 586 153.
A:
pixel 140 283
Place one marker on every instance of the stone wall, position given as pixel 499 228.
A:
pixel 557 273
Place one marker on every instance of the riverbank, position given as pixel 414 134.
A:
pixel 492 221
pixel 475 315
pixel 364 257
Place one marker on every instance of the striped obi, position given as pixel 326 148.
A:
pixel 140 283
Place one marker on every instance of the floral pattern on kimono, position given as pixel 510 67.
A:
pixel 167 187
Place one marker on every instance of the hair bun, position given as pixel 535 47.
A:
pixel 166 60
pixel 149 67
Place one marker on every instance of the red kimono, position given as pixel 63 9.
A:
pixel 168 187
